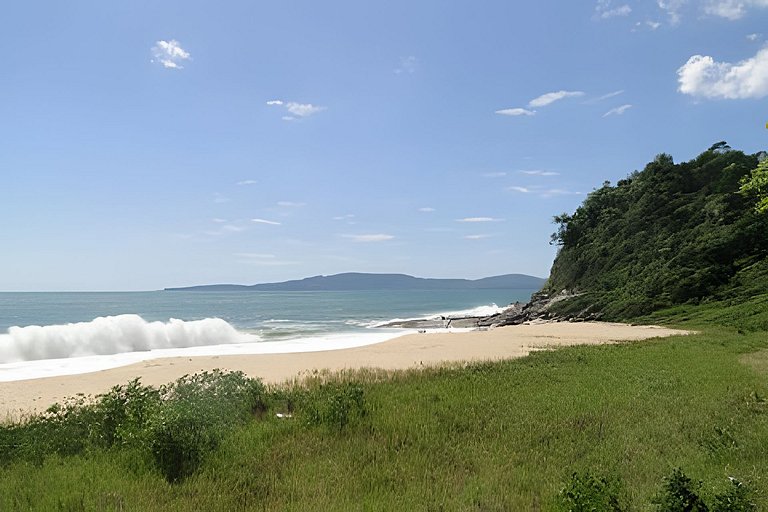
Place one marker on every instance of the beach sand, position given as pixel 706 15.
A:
pixel 410 351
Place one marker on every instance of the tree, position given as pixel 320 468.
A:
pixel 756 185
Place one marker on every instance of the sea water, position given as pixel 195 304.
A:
pixel 46 334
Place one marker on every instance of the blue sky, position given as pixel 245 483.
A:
pixel 168 143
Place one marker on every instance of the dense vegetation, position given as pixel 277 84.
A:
pixel 637 426
pixel 671 234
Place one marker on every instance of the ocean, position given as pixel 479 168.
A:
pixel 47 334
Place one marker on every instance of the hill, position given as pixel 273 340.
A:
pixel 672 234
pixel 360 281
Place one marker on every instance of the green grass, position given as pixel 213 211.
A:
pixel 500 436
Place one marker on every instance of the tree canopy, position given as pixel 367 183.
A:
pixel 670 234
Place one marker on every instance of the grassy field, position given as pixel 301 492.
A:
pixel 496 436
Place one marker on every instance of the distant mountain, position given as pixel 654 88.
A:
pixel 358 281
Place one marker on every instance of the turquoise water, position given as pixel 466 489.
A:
pixel 58 333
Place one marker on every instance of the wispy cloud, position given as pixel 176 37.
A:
pixel 732 9
pixel 604 97
pixel 246 182
pixel 552 192
pixel 407 65
pixel 265 221
pixel 539 172
pixel 618 110
pixel 522 190
pixel 551 97
pixel 604 10
pixel 479 219
pixel 499 174
pixel 231 228
pixel 427 209
pixel 704 77
pixel 296 110
pixel 378 237
pixel 516 112
pixel 344 217
pixel 170 54
pixel 672 9
pixel 752 37
pixel 291 204
pixel 218 220
pixel 477 237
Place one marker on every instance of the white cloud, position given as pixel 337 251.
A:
pixel 551 97
pixel 291 204
pixel 753 37
pixel 479 219
pixel 264 221
pixel 170 54
pixel 379 237
pixel 703 77
pixel 303 109
pixel 246 182
pixel 604 97
pixel 618 110
pixel 732 9
pixel 605 10
pixel 477 237
pixel 218 220
pixel 523 190
pixel 427 209
pixel 672 8
pixel 540 173
pixel 296 110
pixel 407 65
pixel 231 228
pixel 345 217
pixel 552 192
pixel 516 112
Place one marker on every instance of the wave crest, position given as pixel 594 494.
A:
pixel 111 335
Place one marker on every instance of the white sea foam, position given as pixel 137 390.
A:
pixel 479 311
pixel 111 335
pixel 109 342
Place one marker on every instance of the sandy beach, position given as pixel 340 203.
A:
pixel 409 351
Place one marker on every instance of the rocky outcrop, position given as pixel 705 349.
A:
pixel 538 309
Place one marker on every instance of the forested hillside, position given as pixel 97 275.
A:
pixel 670 234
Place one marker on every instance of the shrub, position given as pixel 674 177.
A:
pixel 735 499
pixel 587 492
pixel 680 494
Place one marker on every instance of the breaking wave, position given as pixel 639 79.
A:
pixel 112 335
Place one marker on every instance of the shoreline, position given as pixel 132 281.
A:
pixel 405 352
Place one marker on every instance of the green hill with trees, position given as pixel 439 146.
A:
pixel 692 233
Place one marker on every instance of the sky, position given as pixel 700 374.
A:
pixel 156 144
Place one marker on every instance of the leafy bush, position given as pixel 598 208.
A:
pixel 586 493
pixel 680 495
pixel 735 499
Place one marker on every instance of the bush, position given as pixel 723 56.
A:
pixel 680 495
pixel 586 493
pixel 735 499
